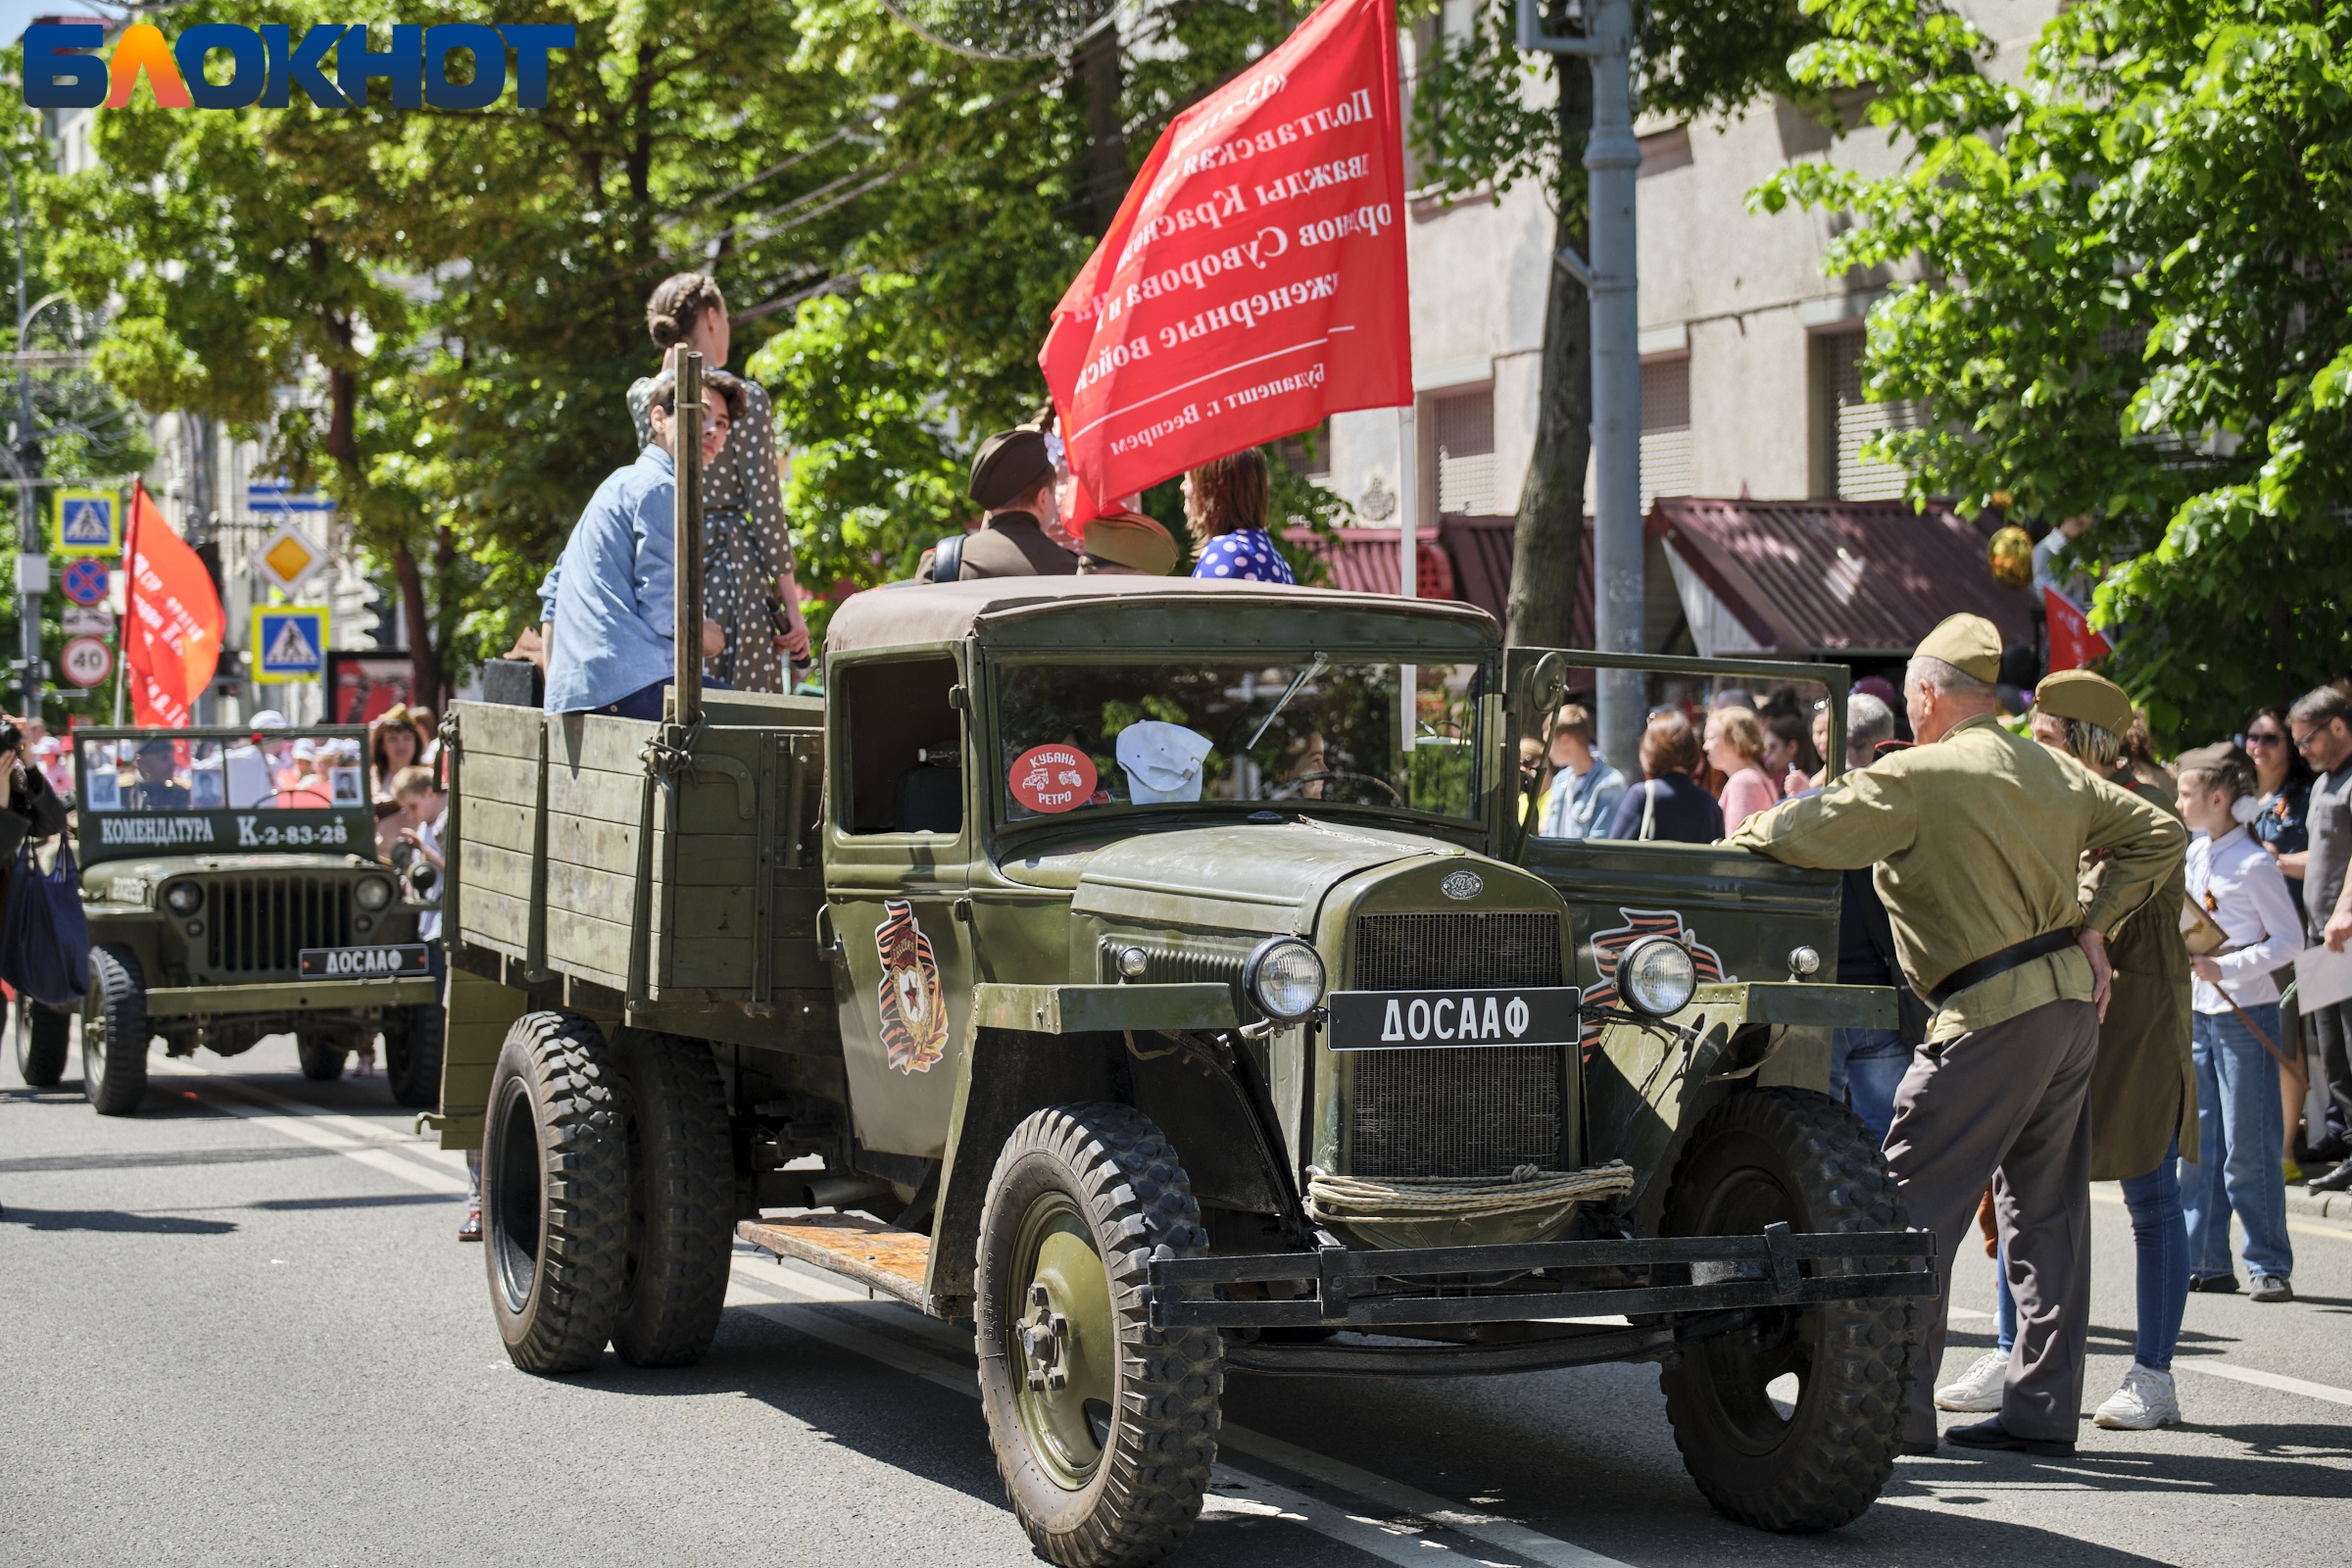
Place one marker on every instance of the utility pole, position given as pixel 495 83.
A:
pixel 1612 159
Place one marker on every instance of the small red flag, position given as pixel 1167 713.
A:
pixel 171 621
pixel 1254 278
pixel 2073 643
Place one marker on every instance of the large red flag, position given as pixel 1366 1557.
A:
pixel 2073 643
pixel 171 621
pixel 1253 280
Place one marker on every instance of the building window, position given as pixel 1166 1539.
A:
pixel 1848 422
pixel 1306 454
pixel 1462 430
pixel 1666 429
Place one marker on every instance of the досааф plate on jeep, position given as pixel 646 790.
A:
pixel 233 889
pixel 1154 973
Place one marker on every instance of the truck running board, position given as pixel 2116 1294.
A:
pixel 882 1257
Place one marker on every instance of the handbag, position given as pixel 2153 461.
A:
pixel 44 937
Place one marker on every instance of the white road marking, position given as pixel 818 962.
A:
pixel 2213 1368
pixel 1384 1540
pixel 352 1137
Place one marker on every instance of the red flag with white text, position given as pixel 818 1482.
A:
pixel 1254 278
pixel 171 619
pixel 2073 643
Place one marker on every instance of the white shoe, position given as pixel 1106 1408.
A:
pixel 2144 1402
pixel 1979 1389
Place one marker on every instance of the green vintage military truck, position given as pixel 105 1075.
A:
pixel 232 888
pixel 1154 973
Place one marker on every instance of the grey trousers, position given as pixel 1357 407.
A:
pixel 2008 1105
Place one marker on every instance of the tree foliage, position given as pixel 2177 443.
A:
pixel 2137 303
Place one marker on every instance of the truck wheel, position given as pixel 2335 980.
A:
pixel 114 1032
pixel 681 1233
pixel 323 1056
pixel 413 1054
pixel 555 1193
pixel 1104 1427
pixel 41 1042
pixel 1815 1458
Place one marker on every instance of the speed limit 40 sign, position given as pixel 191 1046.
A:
pixel 85 661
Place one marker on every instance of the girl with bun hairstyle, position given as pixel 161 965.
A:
pixel 747 550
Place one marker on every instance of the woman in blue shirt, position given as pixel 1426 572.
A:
pixel 1225 505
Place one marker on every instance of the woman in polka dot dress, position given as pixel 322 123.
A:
pixel 1225 505
pixel 747 550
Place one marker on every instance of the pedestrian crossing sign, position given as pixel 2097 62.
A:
pixel 289 642
pixel 90 522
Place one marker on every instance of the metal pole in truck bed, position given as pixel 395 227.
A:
pixel 686 540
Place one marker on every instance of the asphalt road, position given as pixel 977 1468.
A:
pixel 239 1328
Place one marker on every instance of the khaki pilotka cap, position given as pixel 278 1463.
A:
pixel 1968 644
pixel 1009 467
pixel 2089 699
pixel 1131 541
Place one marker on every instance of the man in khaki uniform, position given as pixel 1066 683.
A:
pixel 1976 834
pixel 1012 480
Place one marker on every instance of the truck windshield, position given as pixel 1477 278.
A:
pixel 1324 728
pixel 275 770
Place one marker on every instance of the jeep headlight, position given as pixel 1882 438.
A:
pixel 1656 975
pixel 373 893
pixel 1285 977
pixel 184 897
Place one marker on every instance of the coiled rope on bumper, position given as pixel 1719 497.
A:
pixel 1366 1201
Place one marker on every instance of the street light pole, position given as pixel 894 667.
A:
pixel 1612 161
pixel 32 566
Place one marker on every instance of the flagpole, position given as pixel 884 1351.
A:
pixel 1409 540
pixel 131 586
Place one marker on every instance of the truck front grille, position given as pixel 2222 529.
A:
pixel 1476 1110
pixel 260 928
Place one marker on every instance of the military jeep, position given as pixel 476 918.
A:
pixel 233 889
pixel 1156 974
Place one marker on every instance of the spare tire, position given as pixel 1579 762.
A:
pixel 323 1056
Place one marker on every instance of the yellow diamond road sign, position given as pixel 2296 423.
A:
pixel 287 559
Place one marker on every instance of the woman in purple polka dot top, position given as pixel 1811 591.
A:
pixel 1225 505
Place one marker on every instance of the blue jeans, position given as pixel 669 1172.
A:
pixel 1866 1069
pixel 2160 1238
pixel 2238 1134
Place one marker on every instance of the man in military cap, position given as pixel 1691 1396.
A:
pixel 1976 836
pixel 1127 544
pixel 1012 480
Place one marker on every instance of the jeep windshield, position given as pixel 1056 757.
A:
pixel 271 769
pixel 1325 730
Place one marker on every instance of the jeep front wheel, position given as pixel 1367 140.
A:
pixel 42 1045
pixel 114 1032
pixel 555 1193
pixel 1789 1423
pixel 1104 1427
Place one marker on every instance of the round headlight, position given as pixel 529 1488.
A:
pixel 373 893
pixel 1285 977
pixel 184 897
pixel 1657 976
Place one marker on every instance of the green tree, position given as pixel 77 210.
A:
pixel 2137 304
pixel 1486 117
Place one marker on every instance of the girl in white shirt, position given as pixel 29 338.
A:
pixel 2237 881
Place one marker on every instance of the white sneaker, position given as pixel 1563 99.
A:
pixel 2144 1402
pixel 1978 1388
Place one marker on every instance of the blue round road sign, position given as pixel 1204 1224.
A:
pixel 85 580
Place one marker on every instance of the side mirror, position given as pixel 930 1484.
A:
pixel 1540 692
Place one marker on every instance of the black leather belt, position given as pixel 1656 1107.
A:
pixel 1978 970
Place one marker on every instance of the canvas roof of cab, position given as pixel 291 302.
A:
pixel 908 615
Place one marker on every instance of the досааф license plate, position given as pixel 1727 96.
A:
pixel 385 962
pixel 1392 1020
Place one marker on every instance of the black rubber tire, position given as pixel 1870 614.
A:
pixel 323 1056
pixel 114 1035
pixel 44 1039
pixel 1789 1155
pixel 413 1054
pixel 555 1193
pixel 1160 1435
pixel 682 1230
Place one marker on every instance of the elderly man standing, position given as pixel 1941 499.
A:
pixel 1977 834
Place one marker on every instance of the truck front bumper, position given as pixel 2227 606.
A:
pixel 1540 1281
pixel 290 996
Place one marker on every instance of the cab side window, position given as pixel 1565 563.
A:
pixel 905 746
